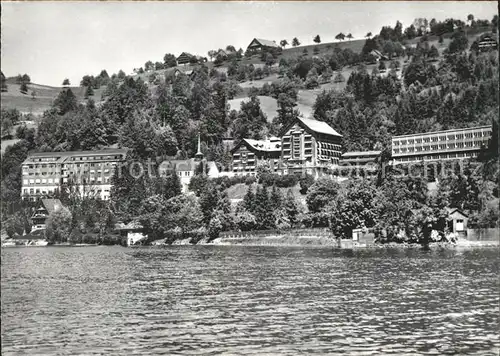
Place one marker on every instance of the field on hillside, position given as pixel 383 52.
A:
pixel 354 45
pixel 45 95
pixel 267 104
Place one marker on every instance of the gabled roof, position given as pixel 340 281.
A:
pixel 452 210
pixel 318 126
pixel 265 43
pixel 60 157
pixel 264 145
pixel 185 54
pixel 132 225
pixel 260 145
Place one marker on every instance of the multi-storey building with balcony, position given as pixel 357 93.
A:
pixel 440 145
pixel 248 154
pixel 90 172
pixel 309 146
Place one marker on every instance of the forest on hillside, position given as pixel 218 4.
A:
pixel 457 88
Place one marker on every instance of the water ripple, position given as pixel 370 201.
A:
pixel 208 300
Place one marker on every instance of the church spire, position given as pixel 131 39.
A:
pixel 199 156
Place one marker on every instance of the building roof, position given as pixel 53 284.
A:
pixel 62 156
pixel 361 153
pixel 263 145
pixel 319 126
pixel 266 43
pixel 452 210
pixel 132 225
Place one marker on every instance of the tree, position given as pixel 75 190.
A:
pixel 263 210
pixel 494 24
pixel 4 87
pixel 353 208
pixel 121 74
pixel 340 37
pixel 368 35
pixel 349 36
pixel 283 43
pixel 287 111
pixel 433 52
pixel 295 42
pixel 317 39
pixel 459 42
pixel 59 225
pixel 24 88
pixel 312 79
pixel 250 120
pixel 89 92
pixel 26 79
pixel 65 102
pixel 149 66
pixel 339 78
pixel 292 208
pixel 66 83
pixel 321 193
pixel 169 60
pixel 470 19
pixel 249 200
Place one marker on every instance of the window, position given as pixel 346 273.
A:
pixel 25 181
pixel 44 180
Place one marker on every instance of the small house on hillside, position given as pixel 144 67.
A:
pixel 42 212
pixel 258 45
pixel 378 55
pixel 186 58
pixel 487 43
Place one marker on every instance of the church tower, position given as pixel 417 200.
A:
pixel 198 156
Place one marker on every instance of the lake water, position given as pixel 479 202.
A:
pixel 207 300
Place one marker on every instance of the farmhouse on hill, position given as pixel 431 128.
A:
pixel 186 58
pixel 259 45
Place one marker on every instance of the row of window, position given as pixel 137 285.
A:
pixel 437 156
pixel 448 137
pixel 68 166
pixel 92 158
pixel 468 144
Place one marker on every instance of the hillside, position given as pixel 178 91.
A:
pixel 44 97
pixel 354 45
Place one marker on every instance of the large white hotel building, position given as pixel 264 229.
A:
pixel 454 144
pixel 43 174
